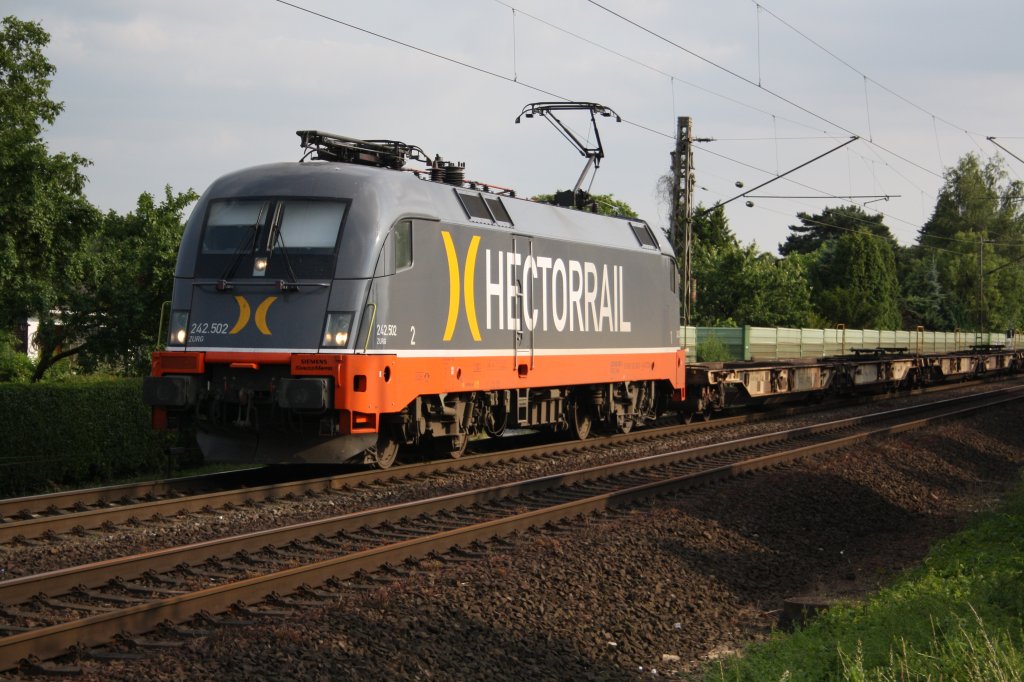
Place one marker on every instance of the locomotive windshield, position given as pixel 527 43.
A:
pixel 283 239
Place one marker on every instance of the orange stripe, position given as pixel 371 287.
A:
pixel 392 382
pixel 411 377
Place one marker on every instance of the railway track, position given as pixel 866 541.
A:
pixel 77 511
pixel 43 615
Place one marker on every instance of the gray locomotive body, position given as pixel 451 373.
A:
pixel 325 310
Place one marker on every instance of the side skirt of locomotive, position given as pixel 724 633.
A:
pixel 333 408
pixel 445 423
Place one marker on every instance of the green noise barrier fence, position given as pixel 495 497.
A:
pixel 780 343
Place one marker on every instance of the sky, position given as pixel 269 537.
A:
pixel 180 92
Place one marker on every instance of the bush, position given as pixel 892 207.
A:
pixel 712 349
pixel 75 432
pixel 14 365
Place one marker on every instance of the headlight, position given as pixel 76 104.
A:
pixel 337 329
pixel 178 332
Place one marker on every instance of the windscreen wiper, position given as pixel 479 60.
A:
pixel 248 238
pixel 273 239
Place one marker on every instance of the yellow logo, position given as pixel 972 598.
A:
pixel 454 293
pixel 261 315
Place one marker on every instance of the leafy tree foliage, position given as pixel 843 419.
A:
pixel 14 364
pixel 604 204
pixel 94 282
pixel 44 215
pixel 975 238
pixel 831 224
pixel 739 285
pixel 854 280
pixel 108 313
pixel 711 228
pixel 134 271
pixel 851 260
pixel 975 197
pixel 923 300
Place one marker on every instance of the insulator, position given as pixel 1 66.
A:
pixel 437 169
pixel 455 174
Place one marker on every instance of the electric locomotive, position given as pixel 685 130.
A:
pixel 343 307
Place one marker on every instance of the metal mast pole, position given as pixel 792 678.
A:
pixel 682 213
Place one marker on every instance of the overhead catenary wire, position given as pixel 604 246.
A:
pixel 480 70
pixel 673 79
pixel 769 91
pixel 821 223
pixel 856 70
pixel 804 217
pixel 968 242
pixel 645 65
pixel 759 84
pixel 779 177
pixel 874 146
pixel 422 50
pixel 515 58
pixel 554 95
pixel 993 141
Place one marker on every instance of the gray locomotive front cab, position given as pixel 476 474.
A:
pixel 276 261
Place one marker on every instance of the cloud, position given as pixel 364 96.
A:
pixel 182 92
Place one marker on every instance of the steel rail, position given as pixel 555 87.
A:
pixel 53 640
pixel 12 507
pixel 97 573
pixel 43 522
pixel 38 526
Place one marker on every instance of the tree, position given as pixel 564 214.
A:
pixel 831 224
pixel 924 302
pixel 854 280
pixel 975 237
pixel 96 283
pixel 14 364
pixel 711 227
pixel 739 285
pixel 44 216
pixel 604 204
pixel 131 272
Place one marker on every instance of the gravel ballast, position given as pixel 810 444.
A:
pixel 652 590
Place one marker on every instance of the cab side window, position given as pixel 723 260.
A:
pixel 403 245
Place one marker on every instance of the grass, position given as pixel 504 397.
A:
pixel 959 616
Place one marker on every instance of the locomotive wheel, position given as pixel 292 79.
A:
pixel 382 454
pixel 458 446
pixel 626 426
pixel 686 416
pixel 580 422
pixel 706 414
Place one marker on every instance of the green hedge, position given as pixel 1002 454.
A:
pixel 84 431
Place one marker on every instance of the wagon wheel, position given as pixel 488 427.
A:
pixel 382 454
pixel 580 421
